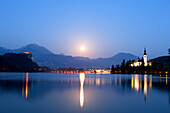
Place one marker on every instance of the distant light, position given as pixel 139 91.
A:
pixel 82 48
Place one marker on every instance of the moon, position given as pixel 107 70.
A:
pixel 82 48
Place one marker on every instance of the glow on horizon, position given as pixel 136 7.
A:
pixel 82 48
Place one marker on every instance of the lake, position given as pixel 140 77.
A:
pixel 85 93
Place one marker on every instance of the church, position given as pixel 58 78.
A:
pixel 139 62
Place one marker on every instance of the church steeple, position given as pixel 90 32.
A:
pixel 145 57
pixel 144 51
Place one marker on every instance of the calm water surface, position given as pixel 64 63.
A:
pixel 92 93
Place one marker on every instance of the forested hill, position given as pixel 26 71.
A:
pixel 13 62
pixel 162 59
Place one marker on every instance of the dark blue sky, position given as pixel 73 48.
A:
pixel 104 27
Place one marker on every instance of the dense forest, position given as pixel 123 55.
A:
pixel 12 62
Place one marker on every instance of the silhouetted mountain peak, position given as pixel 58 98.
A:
pixel 121 54
pixel 35 49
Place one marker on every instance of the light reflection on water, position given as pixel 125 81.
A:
pixel 55 90
pixel 82 78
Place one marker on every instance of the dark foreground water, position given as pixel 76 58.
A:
pixel 66 93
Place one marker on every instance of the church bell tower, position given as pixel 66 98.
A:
pixel 145 57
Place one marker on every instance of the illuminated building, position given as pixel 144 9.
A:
pixel 139 61
pixel 103 71
pixel 145 58
pixel 29 54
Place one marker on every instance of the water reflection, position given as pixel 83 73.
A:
pixel 150 82
pixel 145 86
pixel 166 79
pixel 25 87
pixel 82 78
pixel 115 79
pixel 101 89
pixel 132 82
pixel 97 80
pixel 137 82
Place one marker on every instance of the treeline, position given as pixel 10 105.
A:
pixel 156 68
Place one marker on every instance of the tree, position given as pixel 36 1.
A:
pixel 169 51
pixel 128 67
pixel 123 66
pixel 112 69
pixel 118 67
pixel 143 63
pixel 123 63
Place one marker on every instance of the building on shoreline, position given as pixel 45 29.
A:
pixel 140 62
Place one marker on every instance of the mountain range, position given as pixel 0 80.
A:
pixel 44 57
